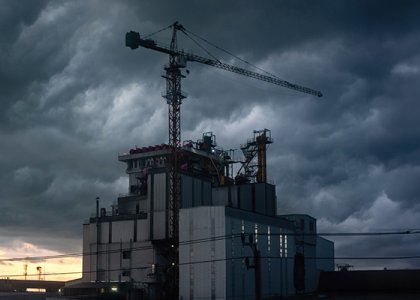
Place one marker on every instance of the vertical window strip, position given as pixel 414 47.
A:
pixel 285 245
pixel 256 232
pixel 281 245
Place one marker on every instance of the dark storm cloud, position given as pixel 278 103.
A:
pixel 73 97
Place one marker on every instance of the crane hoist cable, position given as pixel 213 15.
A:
pixel 231 54
pixel 177 61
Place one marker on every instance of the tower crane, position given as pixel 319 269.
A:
pixel 178 60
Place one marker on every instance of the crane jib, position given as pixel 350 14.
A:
pixel 133 41
pixel 174 96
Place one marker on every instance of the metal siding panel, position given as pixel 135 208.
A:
pixel 275 262
pixel 186 192
pixel 234 196
pixel 141 258
pixel 184 268
pixel 311 278
pixel 260 198
pixel 159 192
pixel 290 289
pixel 220 196
pixel 220 230
pixel 271 205
pixel 197 192
pixel 143 205
pixel 115 255
pixel 149 192
pixel 263 246
pixel 92 232
pixel 104 231
pixel 325 248
pixel 142 230
pixel 159 225
pixel 246 197
pixel 122 231
pixel 207 193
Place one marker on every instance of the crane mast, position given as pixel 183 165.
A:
pixel 174 97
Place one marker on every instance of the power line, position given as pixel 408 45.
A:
pixel 209 239
pixel 77 272
pixel 227 259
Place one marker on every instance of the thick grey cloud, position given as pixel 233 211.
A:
pixel 73 97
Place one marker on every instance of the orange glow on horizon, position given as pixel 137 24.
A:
pixel 60 269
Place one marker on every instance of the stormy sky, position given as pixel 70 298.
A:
pixel 73 97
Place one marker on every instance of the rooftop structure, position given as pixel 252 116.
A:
pixel 231 241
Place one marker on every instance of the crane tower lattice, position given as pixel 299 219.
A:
pixel 178 60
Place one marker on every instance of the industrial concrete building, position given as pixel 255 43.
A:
pixel 232 243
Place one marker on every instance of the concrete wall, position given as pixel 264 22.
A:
pixel 325 249
pixel 159 206
pixel 112 247
pixel 255 197
pixel 195 192
pixel 227 276
pixel 202 263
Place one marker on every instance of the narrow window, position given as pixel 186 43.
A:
pixel 285 245
pixel 281 245
pixel 256 233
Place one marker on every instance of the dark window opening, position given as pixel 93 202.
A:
pixel 126 254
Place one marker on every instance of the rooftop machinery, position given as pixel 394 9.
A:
pixel 178 60
pixel 255 148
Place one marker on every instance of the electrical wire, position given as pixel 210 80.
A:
pixel 145 267
pixel 208 239
pixel 75 272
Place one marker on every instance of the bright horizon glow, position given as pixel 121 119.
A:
pixel 50 268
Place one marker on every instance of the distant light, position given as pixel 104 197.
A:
pixel 114 289
pixel 173 264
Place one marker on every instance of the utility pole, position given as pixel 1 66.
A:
pixel 25 272
pixel 97 239
pixel 257 263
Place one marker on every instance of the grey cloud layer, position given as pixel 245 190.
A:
pixel 73 97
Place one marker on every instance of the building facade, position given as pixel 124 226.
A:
pixel 232 244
